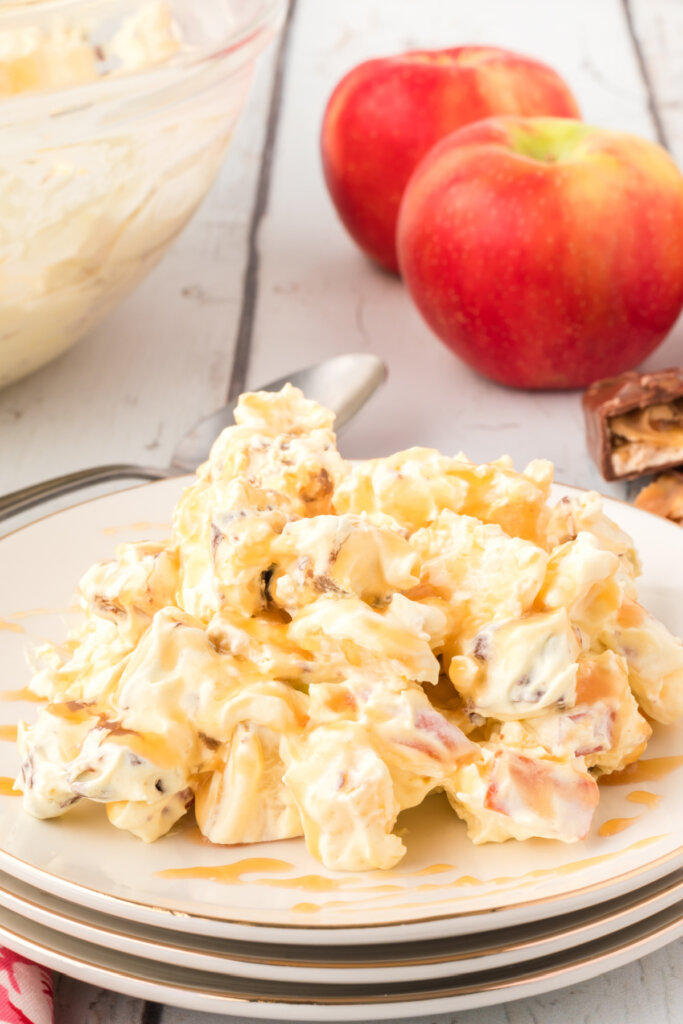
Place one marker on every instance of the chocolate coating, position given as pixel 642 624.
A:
pixel 616 396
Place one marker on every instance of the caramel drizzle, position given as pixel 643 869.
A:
pixel 110 531
pixel 320 883
pixel 149 746
pixel 23 694
pixel 11 627
pixel 76 711
pixel 615 825
pixel 6 786
pixel 521 881
pixel 642 796
pixel 434 869
pixel 31 613
pixel 229 873
pixel 8 733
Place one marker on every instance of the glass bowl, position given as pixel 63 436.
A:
pixel 114 117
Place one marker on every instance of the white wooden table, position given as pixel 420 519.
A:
pixel 265 280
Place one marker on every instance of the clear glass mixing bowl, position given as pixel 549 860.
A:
pixel 114 117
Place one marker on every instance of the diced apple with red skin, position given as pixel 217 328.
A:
pixel 418 744
pixel 604 726
pixel 522 794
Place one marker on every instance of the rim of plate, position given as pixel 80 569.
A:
pixel 117 902
pixel 625 945
pixel 53 883
pixel 653 894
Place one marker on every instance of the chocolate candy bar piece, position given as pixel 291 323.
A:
pixel 634 423
pixel 664 497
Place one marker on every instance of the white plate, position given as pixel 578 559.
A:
pixel 265 999
pixel 444 886
pixel 336 965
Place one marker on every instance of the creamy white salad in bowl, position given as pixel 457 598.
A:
pixel 114 115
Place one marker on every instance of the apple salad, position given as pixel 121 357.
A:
pixel 320 644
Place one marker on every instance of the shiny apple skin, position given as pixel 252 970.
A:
pixel 387 113
pixel 545 253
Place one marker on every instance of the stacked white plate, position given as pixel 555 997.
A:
pixel 265 931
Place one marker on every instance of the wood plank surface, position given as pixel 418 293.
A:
pixel 319 296
pixel 78 1003
pixel 657 30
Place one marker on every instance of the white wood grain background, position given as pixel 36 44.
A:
pixel 265 280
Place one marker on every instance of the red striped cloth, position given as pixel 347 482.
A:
pixel 25 991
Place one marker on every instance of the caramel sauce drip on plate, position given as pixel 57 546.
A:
pixel 6 785
pixel 34 613
pixel 11 627
pixel 229 873
pixel 23 694
pixel 526 880
pixel 615 825
pixel 109 531
pixel 309 883
pixel 435 869
pixel 8 733
pixel 642 796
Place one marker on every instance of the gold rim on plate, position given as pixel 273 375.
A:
pixel 667 925
pixel 609 913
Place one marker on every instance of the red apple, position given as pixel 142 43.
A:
pixel 386 114
pixel 544 252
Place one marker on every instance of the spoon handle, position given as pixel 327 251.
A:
pixel 36 494
pixel 343 384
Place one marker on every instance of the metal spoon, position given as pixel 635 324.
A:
pixel 343 384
